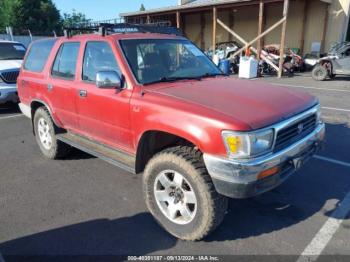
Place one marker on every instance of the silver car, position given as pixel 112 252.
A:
pixel 11 57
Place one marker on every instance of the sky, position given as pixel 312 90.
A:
pixel 108 9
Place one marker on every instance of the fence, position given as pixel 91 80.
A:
pixel 24 39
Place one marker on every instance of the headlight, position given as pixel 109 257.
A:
pixel 248 144
pixel 318 115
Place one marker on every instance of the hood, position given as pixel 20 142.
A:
pixel 10 64
pixel 255 103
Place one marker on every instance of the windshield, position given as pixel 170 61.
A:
pixel 161 60
pixel 12 51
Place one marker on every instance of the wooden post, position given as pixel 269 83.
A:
pixel 178 26
pixel 231 22
pixel 283 37
pixel 183 24
pixel 233 33
pixel 178 19
pixel 273 27
pixel 303 26
pixel 324 32
pixel 202 35
pixel 215 15
pixel 260 27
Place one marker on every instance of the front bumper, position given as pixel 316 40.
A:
pixel 239 178
pixel 8 93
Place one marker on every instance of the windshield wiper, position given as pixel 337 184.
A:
pixel 12 58
pixel 212 75
pixel 174 79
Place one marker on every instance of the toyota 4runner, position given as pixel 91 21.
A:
pixel 153 104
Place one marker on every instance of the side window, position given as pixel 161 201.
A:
pixel 38 54
pixel 98 56
pixel 66 61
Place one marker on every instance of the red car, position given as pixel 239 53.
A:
pixel 155 105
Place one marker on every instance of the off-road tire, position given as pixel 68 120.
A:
pixel 211 207
pixel 58 149
pixel 319 73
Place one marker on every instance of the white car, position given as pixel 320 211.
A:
pixel 11 58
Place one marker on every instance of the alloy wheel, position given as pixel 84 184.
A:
pixel 175 197
pixel 44 133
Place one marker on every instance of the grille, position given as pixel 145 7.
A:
pixel 295 132
pixel 10 77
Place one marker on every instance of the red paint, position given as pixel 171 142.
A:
pixel 195 110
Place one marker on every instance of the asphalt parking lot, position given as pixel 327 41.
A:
pixel 84 206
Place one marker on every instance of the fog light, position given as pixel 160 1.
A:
pixel 269 172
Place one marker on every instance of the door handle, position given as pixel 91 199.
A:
pixel 82 93
pixel 24 83
pixel 49 87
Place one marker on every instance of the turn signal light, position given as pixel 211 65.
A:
pixel 269 172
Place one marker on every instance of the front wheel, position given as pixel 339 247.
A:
pixel 319 73
pixel 180 194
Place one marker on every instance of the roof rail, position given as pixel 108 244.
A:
pixel 102 28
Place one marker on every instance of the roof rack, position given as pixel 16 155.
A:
pixel 103 28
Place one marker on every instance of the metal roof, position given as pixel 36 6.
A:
pixel 194 4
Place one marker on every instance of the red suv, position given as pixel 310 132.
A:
pixel 154 104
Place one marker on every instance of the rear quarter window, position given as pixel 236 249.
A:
pixel 38 54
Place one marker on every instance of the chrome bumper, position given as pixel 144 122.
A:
pixel 239 178
pixel 8 93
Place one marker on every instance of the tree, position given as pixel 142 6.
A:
pixel 74 19
pixel 39 16
pixel 142 8
pixel 6 11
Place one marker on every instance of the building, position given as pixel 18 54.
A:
pixel 308 21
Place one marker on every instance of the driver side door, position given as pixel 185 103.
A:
pixel 103 114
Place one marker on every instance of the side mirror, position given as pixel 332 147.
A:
pixel 108 80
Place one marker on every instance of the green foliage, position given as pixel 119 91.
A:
pixel 74 19
pixel 39 16
pixel 6 10
pixel 142 8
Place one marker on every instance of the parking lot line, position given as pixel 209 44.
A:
pixel 336 109
pixel 332 160
pixel 13 116
pixel 312 87
pixel 322 238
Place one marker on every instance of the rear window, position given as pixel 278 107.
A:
pixel 66 61
pixel 38 54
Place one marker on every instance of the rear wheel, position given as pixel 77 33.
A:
pixel 180 194
pixel 45 134
pixel 319 73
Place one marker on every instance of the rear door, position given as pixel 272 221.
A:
pixel 62 79
pixel 103 113
pixel 32 79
